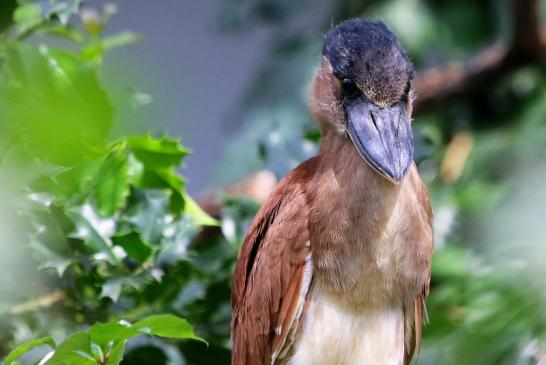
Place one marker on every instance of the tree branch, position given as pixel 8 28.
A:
pixel 440 84
pixel 35 304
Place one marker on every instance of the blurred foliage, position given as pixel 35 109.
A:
pixel 100 229
pixel 94 228
pixel 104 343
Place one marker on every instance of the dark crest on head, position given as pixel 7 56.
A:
pixel 369 54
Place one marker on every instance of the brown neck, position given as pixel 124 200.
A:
pixel 350 205
pixel 346 175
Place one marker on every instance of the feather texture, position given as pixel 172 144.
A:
pixel 273 274
pixel 362 244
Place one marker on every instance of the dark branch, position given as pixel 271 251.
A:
pixel 440 84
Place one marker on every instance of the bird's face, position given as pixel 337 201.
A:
pixel 363 89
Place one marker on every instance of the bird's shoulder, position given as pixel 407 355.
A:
pixel 272 271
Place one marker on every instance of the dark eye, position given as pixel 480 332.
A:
pixel 407 88
pixel 349 88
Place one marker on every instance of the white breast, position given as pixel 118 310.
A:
pixel 332 335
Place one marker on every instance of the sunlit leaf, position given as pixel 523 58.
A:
pixel 112 186
pixel 197 214
pixel 167 325
pixel 116 354
pixel 97 353
pixel 73 351
pixel 27 16
pixel 102 334
pixel 83 81
pixel 157 153
pixel 42 92
pixel 24 348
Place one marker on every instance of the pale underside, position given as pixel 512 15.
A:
pixel 333 335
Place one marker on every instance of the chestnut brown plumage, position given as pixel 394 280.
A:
pixel 335 267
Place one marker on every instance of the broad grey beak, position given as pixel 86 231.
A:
pixel 382 136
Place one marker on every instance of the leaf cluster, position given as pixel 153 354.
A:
pixel 106 222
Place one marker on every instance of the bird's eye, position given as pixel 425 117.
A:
pixel 350 90
pixel 407 88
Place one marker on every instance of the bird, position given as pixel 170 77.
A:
pixel 335 267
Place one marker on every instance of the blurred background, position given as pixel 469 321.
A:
pixel 138 139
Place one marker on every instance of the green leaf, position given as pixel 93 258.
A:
pixel 73 351
pixel 116 354
pixel 54 103
pixel 198 215
pixel 84 83
pixel 167 325
pixel 64 32
pixel 149 215
pixel 161 179
pixel 24 348
pixel 97 353
pixel 94 230
pixel 57 263
pixel 112 187
pixel 135 247
pixel 176 183
pixel 157 153
pixel 122 39
pixel 27 16
pixel 111 289
pixel 102 334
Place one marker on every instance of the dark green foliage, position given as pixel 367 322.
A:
pixel 6 13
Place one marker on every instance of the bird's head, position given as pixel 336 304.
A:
pixel 363 90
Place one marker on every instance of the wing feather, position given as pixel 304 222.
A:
pixel 416 313
pixel 272 274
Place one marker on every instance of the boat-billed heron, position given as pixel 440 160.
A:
pixel 335 268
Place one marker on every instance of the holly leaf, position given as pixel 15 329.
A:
pixel 43 90
pixel 94 230
pixel 155 153
pixel 134 246
pixel 57 263
pixel 111 289
pixel 112 187
pixel 151 215
pixel 198 215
